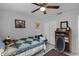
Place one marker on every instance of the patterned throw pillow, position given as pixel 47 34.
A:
pixel 28 42
pixel 23 39
pixel 38 36
pixel 36 39
pixel 29 39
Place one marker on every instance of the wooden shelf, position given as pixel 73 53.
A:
pixel 67 38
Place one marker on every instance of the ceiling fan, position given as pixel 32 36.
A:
pixel 43 7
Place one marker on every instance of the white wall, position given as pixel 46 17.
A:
pixel 71 17
pixel 78 35
pixel 7 25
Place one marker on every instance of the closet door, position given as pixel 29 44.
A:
pixel 49 31
pixel 52 28
pixel 46 31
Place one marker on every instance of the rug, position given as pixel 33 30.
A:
pixel 54 52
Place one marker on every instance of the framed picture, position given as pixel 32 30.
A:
pixel 19 23
pixel 37 25
pixel 64 24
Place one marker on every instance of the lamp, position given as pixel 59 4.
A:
pixel 7 40
pixel 42 8
pixel 8 37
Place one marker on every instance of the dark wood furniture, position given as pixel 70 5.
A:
pixel 66 33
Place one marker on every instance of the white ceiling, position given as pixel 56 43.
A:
pixel 28 7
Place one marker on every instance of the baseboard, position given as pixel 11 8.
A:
pixel 51 44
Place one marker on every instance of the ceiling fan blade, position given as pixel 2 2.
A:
pixel 44 12
pixel 44 3
pixel 35 10
pixel 37 4
pixel 53 7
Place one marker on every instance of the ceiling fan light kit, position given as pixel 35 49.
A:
pixel 43 7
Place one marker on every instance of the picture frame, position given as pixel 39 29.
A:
pixel 37 25
pixel 19 23
pixel 64 24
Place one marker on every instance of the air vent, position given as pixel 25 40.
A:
pixel 59 13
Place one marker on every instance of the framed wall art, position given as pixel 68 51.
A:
pixel 64 24
pixel 19 23
pixel 37 25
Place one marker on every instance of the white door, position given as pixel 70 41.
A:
pixel 49 31
pixel 46 31
pixel 52 33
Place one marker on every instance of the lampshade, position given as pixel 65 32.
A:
pixel 8 37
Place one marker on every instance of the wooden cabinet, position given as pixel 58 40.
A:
pixel 67 38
